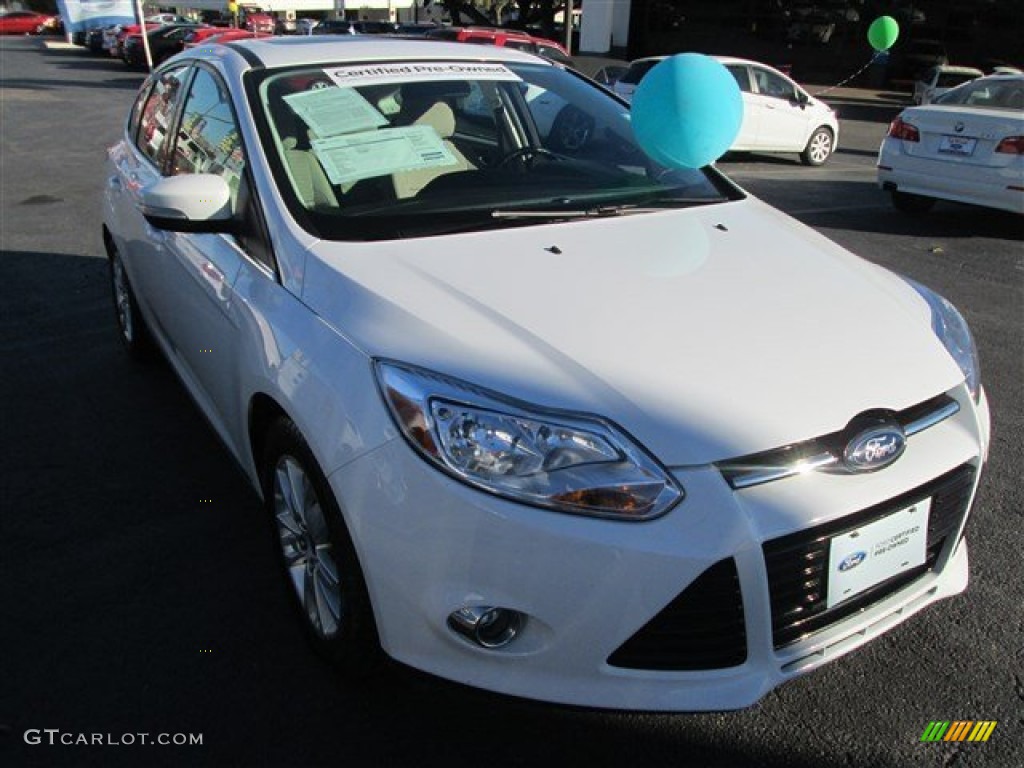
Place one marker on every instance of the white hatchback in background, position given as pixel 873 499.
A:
pixel 778 115
pixel 968 147
pixel 542 417
pixel 940 79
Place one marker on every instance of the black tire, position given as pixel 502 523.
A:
pixel 915 205
pixel 346 637
pixel 131 326
pixel 819 147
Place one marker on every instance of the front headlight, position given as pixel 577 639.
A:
pixel 563 461
pixel 951 328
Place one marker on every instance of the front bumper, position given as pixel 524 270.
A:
pixel 430 545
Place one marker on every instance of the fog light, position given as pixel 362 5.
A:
pixel 486 626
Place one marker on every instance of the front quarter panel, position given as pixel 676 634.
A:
pixel 319 379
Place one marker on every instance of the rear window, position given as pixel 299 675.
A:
pixel 949 80
pixel 986 93
pixel 636 72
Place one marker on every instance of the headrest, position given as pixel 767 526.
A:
pixel 439 117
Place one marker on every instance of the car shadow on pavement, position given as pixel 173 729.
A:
pixel 866 113
pixel 862 206
pixel 108 64
pixel 786 160
pixel 34 84
pixel 142 592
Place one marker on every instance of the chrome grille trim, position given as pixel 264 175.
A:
pixel 756 475
pixel 824 453
pixel 931 419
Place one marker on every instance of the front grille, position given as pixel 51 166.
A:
pixel 797 564
pixel 702 628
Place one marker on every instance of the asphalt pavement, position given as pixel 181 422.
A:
pixel 137 582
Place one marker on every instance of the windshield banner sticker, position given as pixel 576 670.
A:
pixel 331 111
pixel 370 74
pixel 367 155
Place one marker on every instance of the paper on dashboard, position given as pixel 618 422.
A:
pixel 333 111
pixel 367 155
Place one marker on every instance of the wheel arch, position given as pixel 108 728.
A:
pixel 264 410
pixel 822 127
pixel 108 241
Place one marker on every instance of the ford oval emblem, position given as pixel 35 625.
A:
pixel 851 561
pixel 875 448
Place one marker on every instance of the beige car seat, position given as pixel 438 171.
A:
pixel 441 118
pixel 308 177
pixel 309 180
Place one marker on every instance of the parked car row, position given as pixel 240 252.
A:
pixel 968 148
pixel 165 39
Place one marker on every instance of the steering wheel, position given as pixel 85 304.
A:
pixel 572 129
pixel 527 155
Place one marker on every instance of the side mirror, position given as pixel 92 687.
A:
pixel 199 202
pixel 801 99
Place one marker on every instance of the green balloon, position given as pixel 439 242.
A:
pixel 883 33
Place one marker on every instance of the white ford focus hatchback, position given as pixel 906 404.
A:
pixel 539 416
pixel 778 115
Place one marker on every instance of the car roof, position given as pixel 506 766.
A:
pixel 716 57
pixel 274 52
pixel 958 70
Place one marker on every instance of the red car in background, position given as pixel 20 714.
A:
pixel 506 38
pixel 256 20
pixel 26 23
pixel 116 48
pixel 216 35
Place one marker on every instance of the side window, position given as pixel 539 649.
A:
pixel 136 113
pixel 208 139
pixel 742 78
pixel 157 114
pixel 770 84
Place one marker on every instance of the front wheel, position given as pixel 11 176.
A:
pixel 819 147
pixel 317 554
pixel 132 328
pixel 912 204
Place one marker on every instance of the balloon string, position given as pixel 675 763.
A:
pixel 873 59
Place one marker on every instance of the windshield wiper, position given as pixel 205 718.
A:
pixel 601 211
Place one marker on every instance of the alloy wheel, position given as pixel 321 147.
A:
pixel 306 545
pixel 821 147
pixel 122 300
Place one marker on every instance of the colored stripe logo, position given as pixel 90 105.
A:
pixel 959 730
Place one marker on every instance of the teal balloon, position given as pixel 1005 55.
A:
pixel 883 33
pixel 687 111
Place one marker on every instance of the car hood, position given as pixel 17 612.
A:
pixel 707 333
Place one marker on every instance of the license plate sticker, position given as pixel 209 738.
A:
pixel 869 555
pixel 957 145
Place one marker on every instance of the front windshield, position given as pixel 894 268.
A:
pixel 411 149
